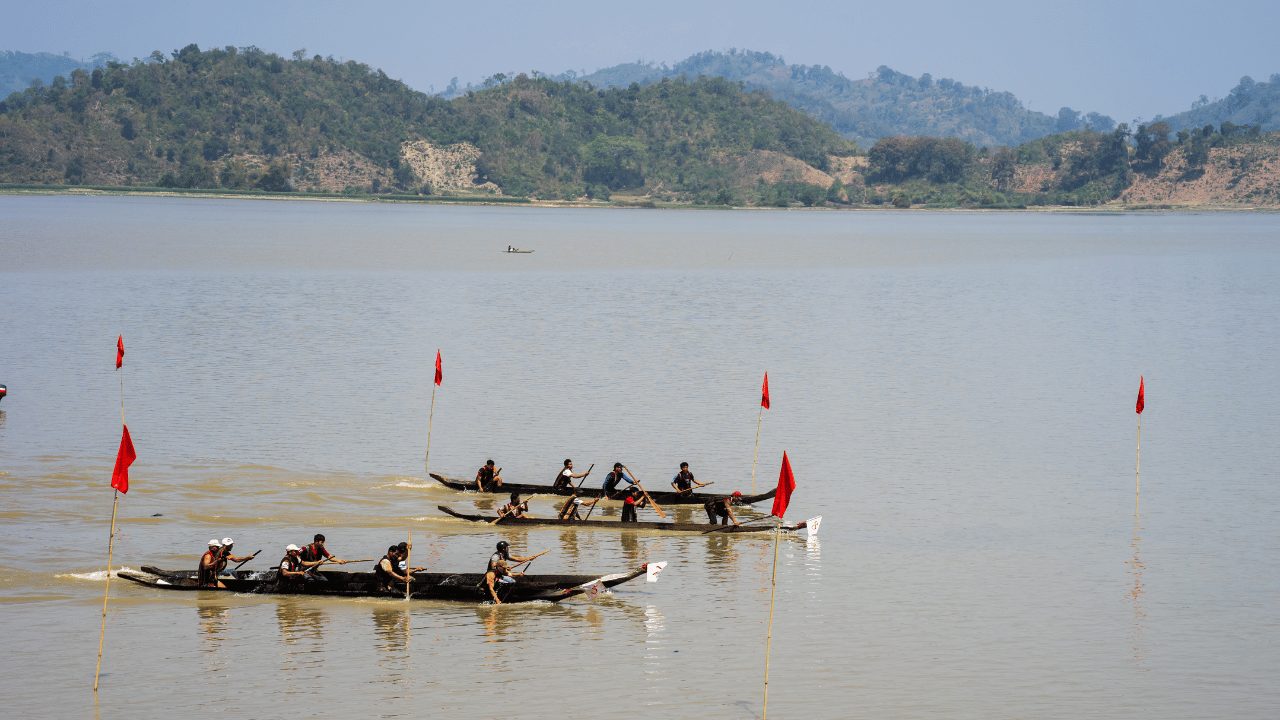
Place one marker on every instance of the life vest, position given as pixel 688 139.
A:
pixel 562 481
pixel 207 575
pixel 381 574
pixel 293 565
pixel 310 553
pixel 611 482
pixel 683 480
pixel 484 476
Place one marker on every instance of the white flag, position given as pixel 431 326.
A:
pixel 652 570
pixel 811 526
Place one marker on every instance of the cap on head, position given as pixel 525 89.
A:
pixel 215 543
pixel 503 545
pixel 228 542
pixel 577 501
pixel 737 493
pixel 291 548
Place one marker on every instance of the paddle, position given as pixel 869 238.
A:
pixel 529 562
pixel 691 488
pixel 502 514
pixel 408 566
pixel 242 562
pixel 646 494
pixel 722 528
pixel 584 478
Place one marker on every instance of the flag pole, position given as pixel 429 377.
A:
pixel 111 538
pixel 426 460
pixel 1137 469
pixel 756 456
pixel 408 569
pixel 768 643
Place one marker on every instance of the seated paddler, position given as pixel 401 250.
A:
pixel 487 478
pixel 207 570
pixel 291 574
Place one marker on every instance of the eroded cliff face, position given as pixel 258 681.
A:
pixel 1244 175
pixel 446 168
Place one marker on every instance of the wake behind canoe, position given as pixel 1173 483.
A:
pixel 660 497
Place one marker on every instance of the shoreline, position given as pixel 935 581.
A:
pixel 637 204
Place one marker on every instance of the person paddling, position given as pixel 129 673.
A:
pixel 515 508
pixel 487 478
pixel 721 509
pixel 292 574
pixel 499 574
pixel 613 479
pixel 564 480
pixel 387 573
pixel 684 482
pixel 207 571
pixel 316 553
pixel 503 554
pixel 633 499
pixel 570 511
pixel 225 556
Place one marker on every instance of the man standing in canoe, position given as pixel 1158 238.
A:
pixel 721 509
pixel 207 571
pixel 487 478
pixel 564 481
pixel 292 574
pixel 612 480
pixel 683 482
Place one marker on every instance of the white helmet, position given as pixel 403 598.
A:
pixel 226 542
pixel 577 501
pixel 291 547
pixel 214 543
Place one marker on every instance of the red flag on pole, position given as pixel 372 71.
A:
pixel 119 351
pixel 786 484
pixel 1142 394
pixel 764 393
pixel 124 458
pixel 439 368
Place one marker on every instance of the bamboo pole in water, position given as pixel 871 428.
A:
pixel 768 643
pixel 111 538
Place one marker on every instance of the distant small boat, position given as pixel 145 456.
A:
pixel 516 251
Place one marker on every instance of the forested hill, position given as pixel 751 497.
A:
pixel 245 119
pixel 1249 103
pixel 885 104
pixel 18 69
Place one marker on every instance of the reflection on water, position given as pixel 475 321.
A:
pixel 212 616
pixel 632 550
pixel 1136 592
pixel 300 620
pixel 719 549
pixel 569 544
pixel 392 629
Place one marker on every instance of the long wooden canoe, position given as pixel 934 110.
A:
pixel 617 525
pixel 426 586
pixel 660 497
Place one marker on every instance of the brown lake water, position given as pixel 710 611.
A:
pixel 955 391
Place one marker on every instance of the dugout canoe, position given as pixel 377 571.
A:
pixel 468 587
pixel 618 525
pixel 661 497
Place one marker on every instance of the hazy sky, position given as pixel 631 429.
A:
pixel 1125 58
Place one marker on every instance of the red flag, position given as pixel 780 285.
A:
pixel 119 351
pixel 1142 394
pixel 764 393
pixel 439 368
pixel 124 458
pixel 786 484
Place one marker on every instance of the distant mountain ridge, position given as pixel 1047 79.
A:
pixel 1249 103
pixel 19 69
pixel 886 103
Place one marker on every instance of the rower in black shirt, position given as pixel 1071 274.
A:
pixel 487 478
pixel 291 574
pixel 566 476
pixel 683 482
pixel 721 509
